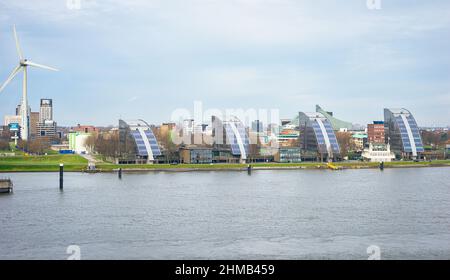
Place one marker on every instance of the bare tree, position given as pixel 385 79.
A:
pixel 36 146
pixel 90 143
pixel 4 145
pixel 345 142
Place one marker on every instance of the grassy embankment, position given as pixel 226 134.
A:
pixel 50 163
pixel 42 163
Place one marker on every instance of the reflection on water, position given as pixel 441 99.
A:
pixel 289 214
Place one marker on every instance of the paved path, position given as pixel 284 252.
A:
pixel 91 159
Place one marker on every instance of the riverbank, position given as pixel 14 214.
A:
pixel 75 163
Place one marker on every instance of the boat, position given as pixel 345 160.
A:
pixel 6 186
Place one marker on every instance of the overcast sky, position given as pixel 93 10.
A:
pixel 144 59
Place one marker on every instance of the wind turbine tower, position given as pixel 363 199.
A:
pixel 23 65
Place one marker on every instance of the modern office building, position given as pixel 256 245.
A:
pixel 46 110
pixel 402 133
pixel 34 120
pixel 46 131
pixel 317 138
pixel 230 137
pixel 375 132
pixel 288 155
pixel 196 155
pixel 257 126
pixel 137 143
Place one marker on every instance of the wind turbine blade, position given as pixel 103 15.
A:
pixel 30 63
pixel 11 76
pixel 19 50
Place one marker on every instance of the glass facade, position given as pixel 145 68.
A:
pixel 201 156
pixel 290 155
pixel 402 132
pixel 237 138
pixel 137 141
pixel 317 135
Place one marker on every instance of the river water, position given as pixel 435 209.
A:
pixel 278 214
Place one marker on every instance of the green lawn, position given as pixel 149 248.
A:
pixel 42 163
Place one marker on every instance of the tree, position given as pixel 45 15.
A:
pixel 4 145
pixel 33 146
pixel 90 143
pixel 37 147
pixel 106 144
pixel 431 138
pixel 345 142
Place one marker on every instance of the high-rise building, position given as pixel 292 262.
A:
pixel 46 131
pixel 257 126
pixel 402 133
pixel 46 126
pixel 375 132
pixel 34 120
pixel 46 110
pixel 188 126
pixel 18 110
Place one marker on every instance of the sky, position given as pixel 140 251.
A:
pixel 147 58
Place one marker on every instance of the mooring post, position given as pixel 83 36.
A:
pixel 61 176
pixel 120 173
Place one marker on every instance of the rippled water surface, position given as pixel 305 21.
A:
pixel 291 214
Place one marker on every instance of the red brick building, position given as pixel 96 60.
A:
pixel 375 132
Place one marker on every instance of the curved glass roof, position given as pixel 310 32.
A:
pixel 409 131
pixel 145 139
pixel 323 131
pixel 237 138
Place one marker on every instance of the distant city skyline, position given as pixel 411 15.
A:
pixel 145 59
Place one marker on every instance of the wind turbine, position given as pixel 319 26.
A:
pixel 23 64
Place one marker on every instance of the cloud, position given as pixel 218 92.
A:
pixel 286 53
